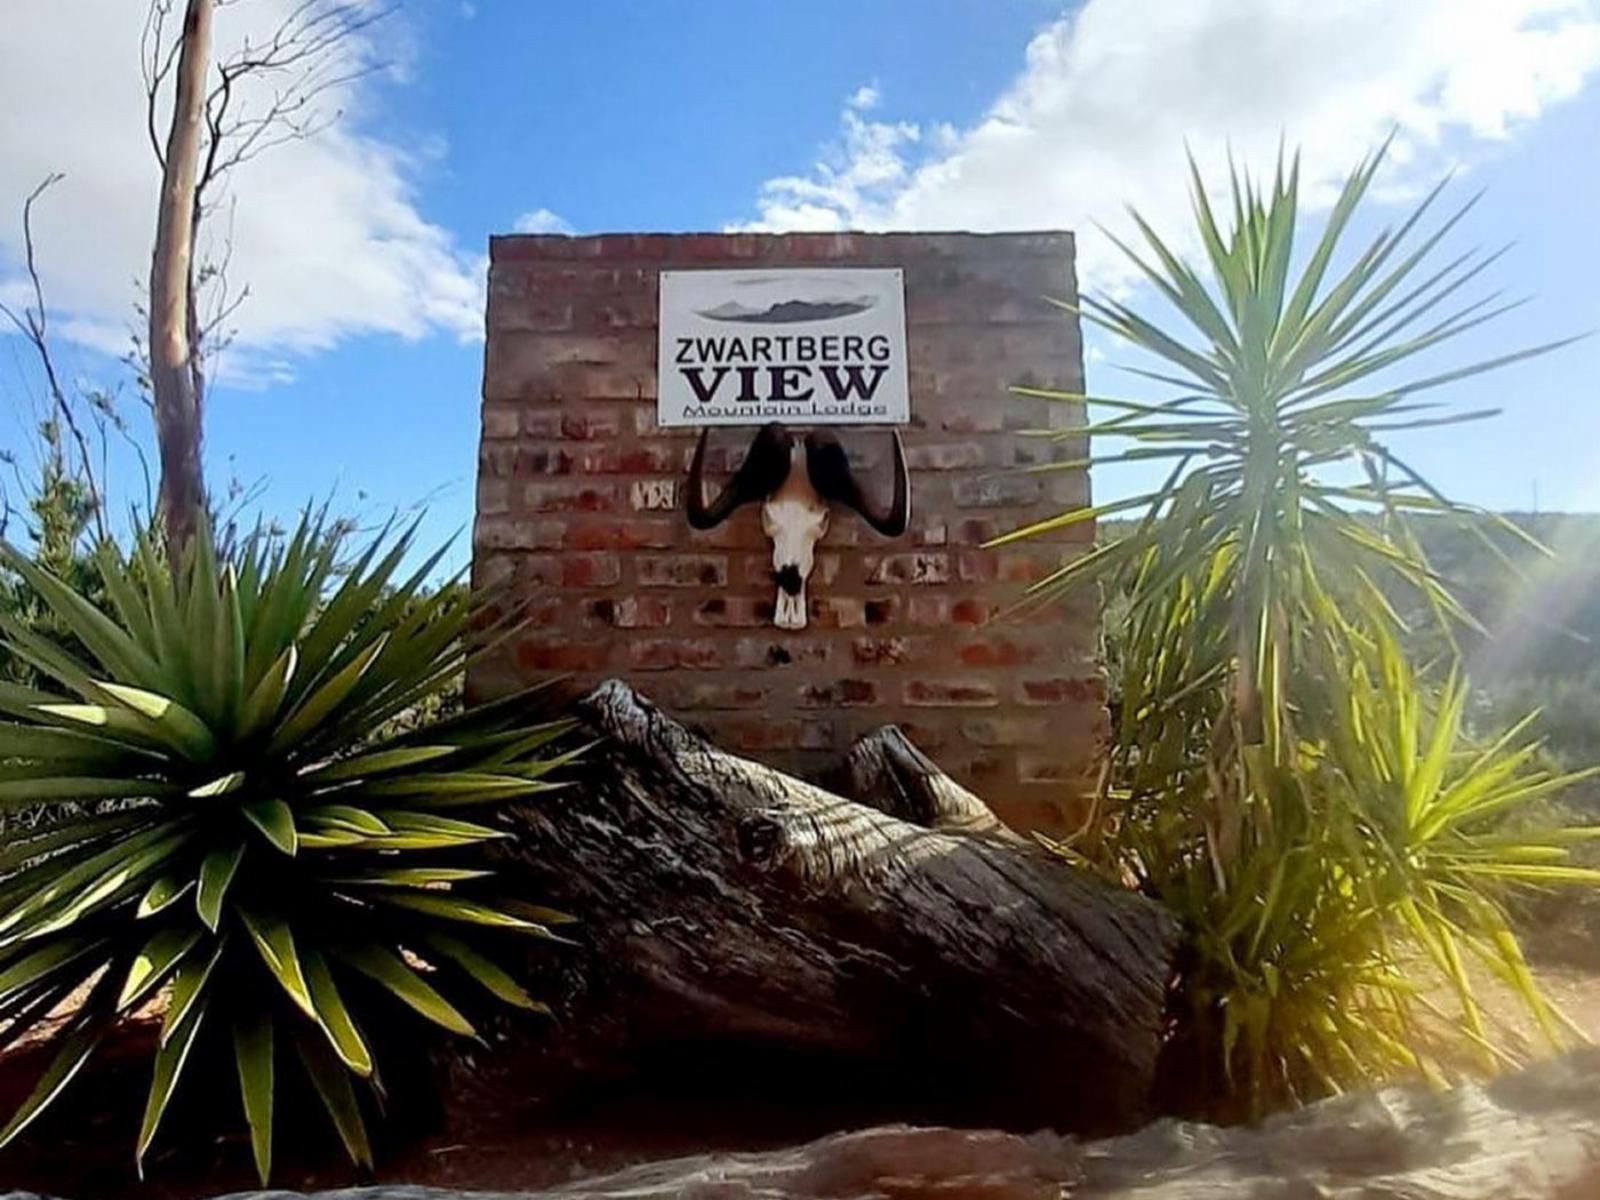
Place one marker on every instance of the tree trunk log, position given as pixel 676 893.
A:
pixel 885 771
pixel 729 907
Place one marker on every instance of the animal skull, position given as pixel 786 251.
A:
pixel 796 483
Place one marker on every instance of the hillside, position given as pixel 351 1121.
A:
pixel 1542 613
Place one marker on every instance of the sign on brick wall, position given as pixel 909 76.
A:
pixel 582 514
pixel 804 347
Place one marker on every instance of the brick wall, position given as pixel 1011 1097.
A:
pixel 579 510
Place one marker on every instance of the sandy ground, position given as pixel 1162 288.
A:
pixel 86 1153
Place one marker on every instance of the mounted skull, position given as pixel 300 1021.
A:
pixel 795 483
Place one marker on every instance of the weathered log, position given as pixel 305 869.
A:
pixel 731 908
pixel 885 771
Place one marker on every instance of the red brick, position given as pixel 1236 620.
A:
pixel 820 734
pixel 669 654
pixel 734 611
pixel 835 612
pixel 997 491
pixel 494 496
pixel 544 654
pixel 1021 568
pixel 841 693
pixel 490 572
pixel 997 652
pixel 1050 768
pixel 892 651
pixel 979 769
pixel 718 696
pixel 681 570
pixel 1008 731
pixel 542 460
pixel 884 610
pixel 616 312
pixel 925 693
pixel 574 570
pixel 975 531
pixel 570 497
pixel 761 652
pixel 541 422
pixel 541 246
pixel 925 735
pixel 595 425
pixel 757 734
pixel 499 421
pixel 975 566
pixel 922 569
pixel 543 311
pixel 1062 690
pixel 930 531
pixel 653 495
pixel 513 533
pixel 644 423
pixel 985 415
pixel 1069 490
pixel 973 612
pixel 544 612
pixel 929 610
pixel 741 531
pixel 945 456
pixel 599 460
pixel 643 533
pixel 630 612
pixel 652 460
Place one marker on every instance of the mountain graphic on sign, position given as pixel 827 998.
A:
pixel 785 312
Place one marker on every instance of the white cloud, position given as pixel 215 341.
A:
pixel 326 231
pixel 1106 99
pixel 542 220
pixel 864 97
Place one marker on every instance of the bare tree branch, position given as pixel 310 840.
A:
pixel 303 63
pixel 260 96
pixel 33 324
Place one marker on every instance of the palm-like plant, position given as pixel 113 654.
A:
pixel 230 830
pixel 1273 756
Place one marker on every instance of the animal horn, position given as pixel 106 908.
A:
pixel 765 467
pixel 829 468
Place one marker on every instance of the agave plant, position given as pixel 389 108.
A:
pixel 1283 782
pixel 229 833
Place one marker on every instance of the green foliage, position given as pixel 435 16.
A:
pixel 1308 803
pixel 237 838
pixel 60 508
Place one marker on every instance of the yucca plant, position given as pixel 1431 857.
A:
pixel 228 832
pixel 1275 756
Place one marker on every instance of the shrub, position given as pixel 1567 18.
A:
pixel 231 832
pixel 1308 804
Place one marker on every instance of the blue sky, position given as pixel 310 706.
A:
pixel 358 366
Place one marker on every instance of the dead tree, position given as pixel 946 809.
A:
pixel 902 936
pixel 174 368
pixel 223 114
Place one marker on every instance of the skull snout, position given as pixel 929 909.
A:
pixel 789 612
pixel 794 520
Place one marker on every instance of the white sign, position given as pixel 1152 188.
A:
pixel 824 346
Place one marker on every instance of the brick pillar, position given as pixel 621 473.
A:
pixel 579 511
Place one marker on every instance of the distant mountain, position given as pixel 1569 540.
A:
pixel 786 312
